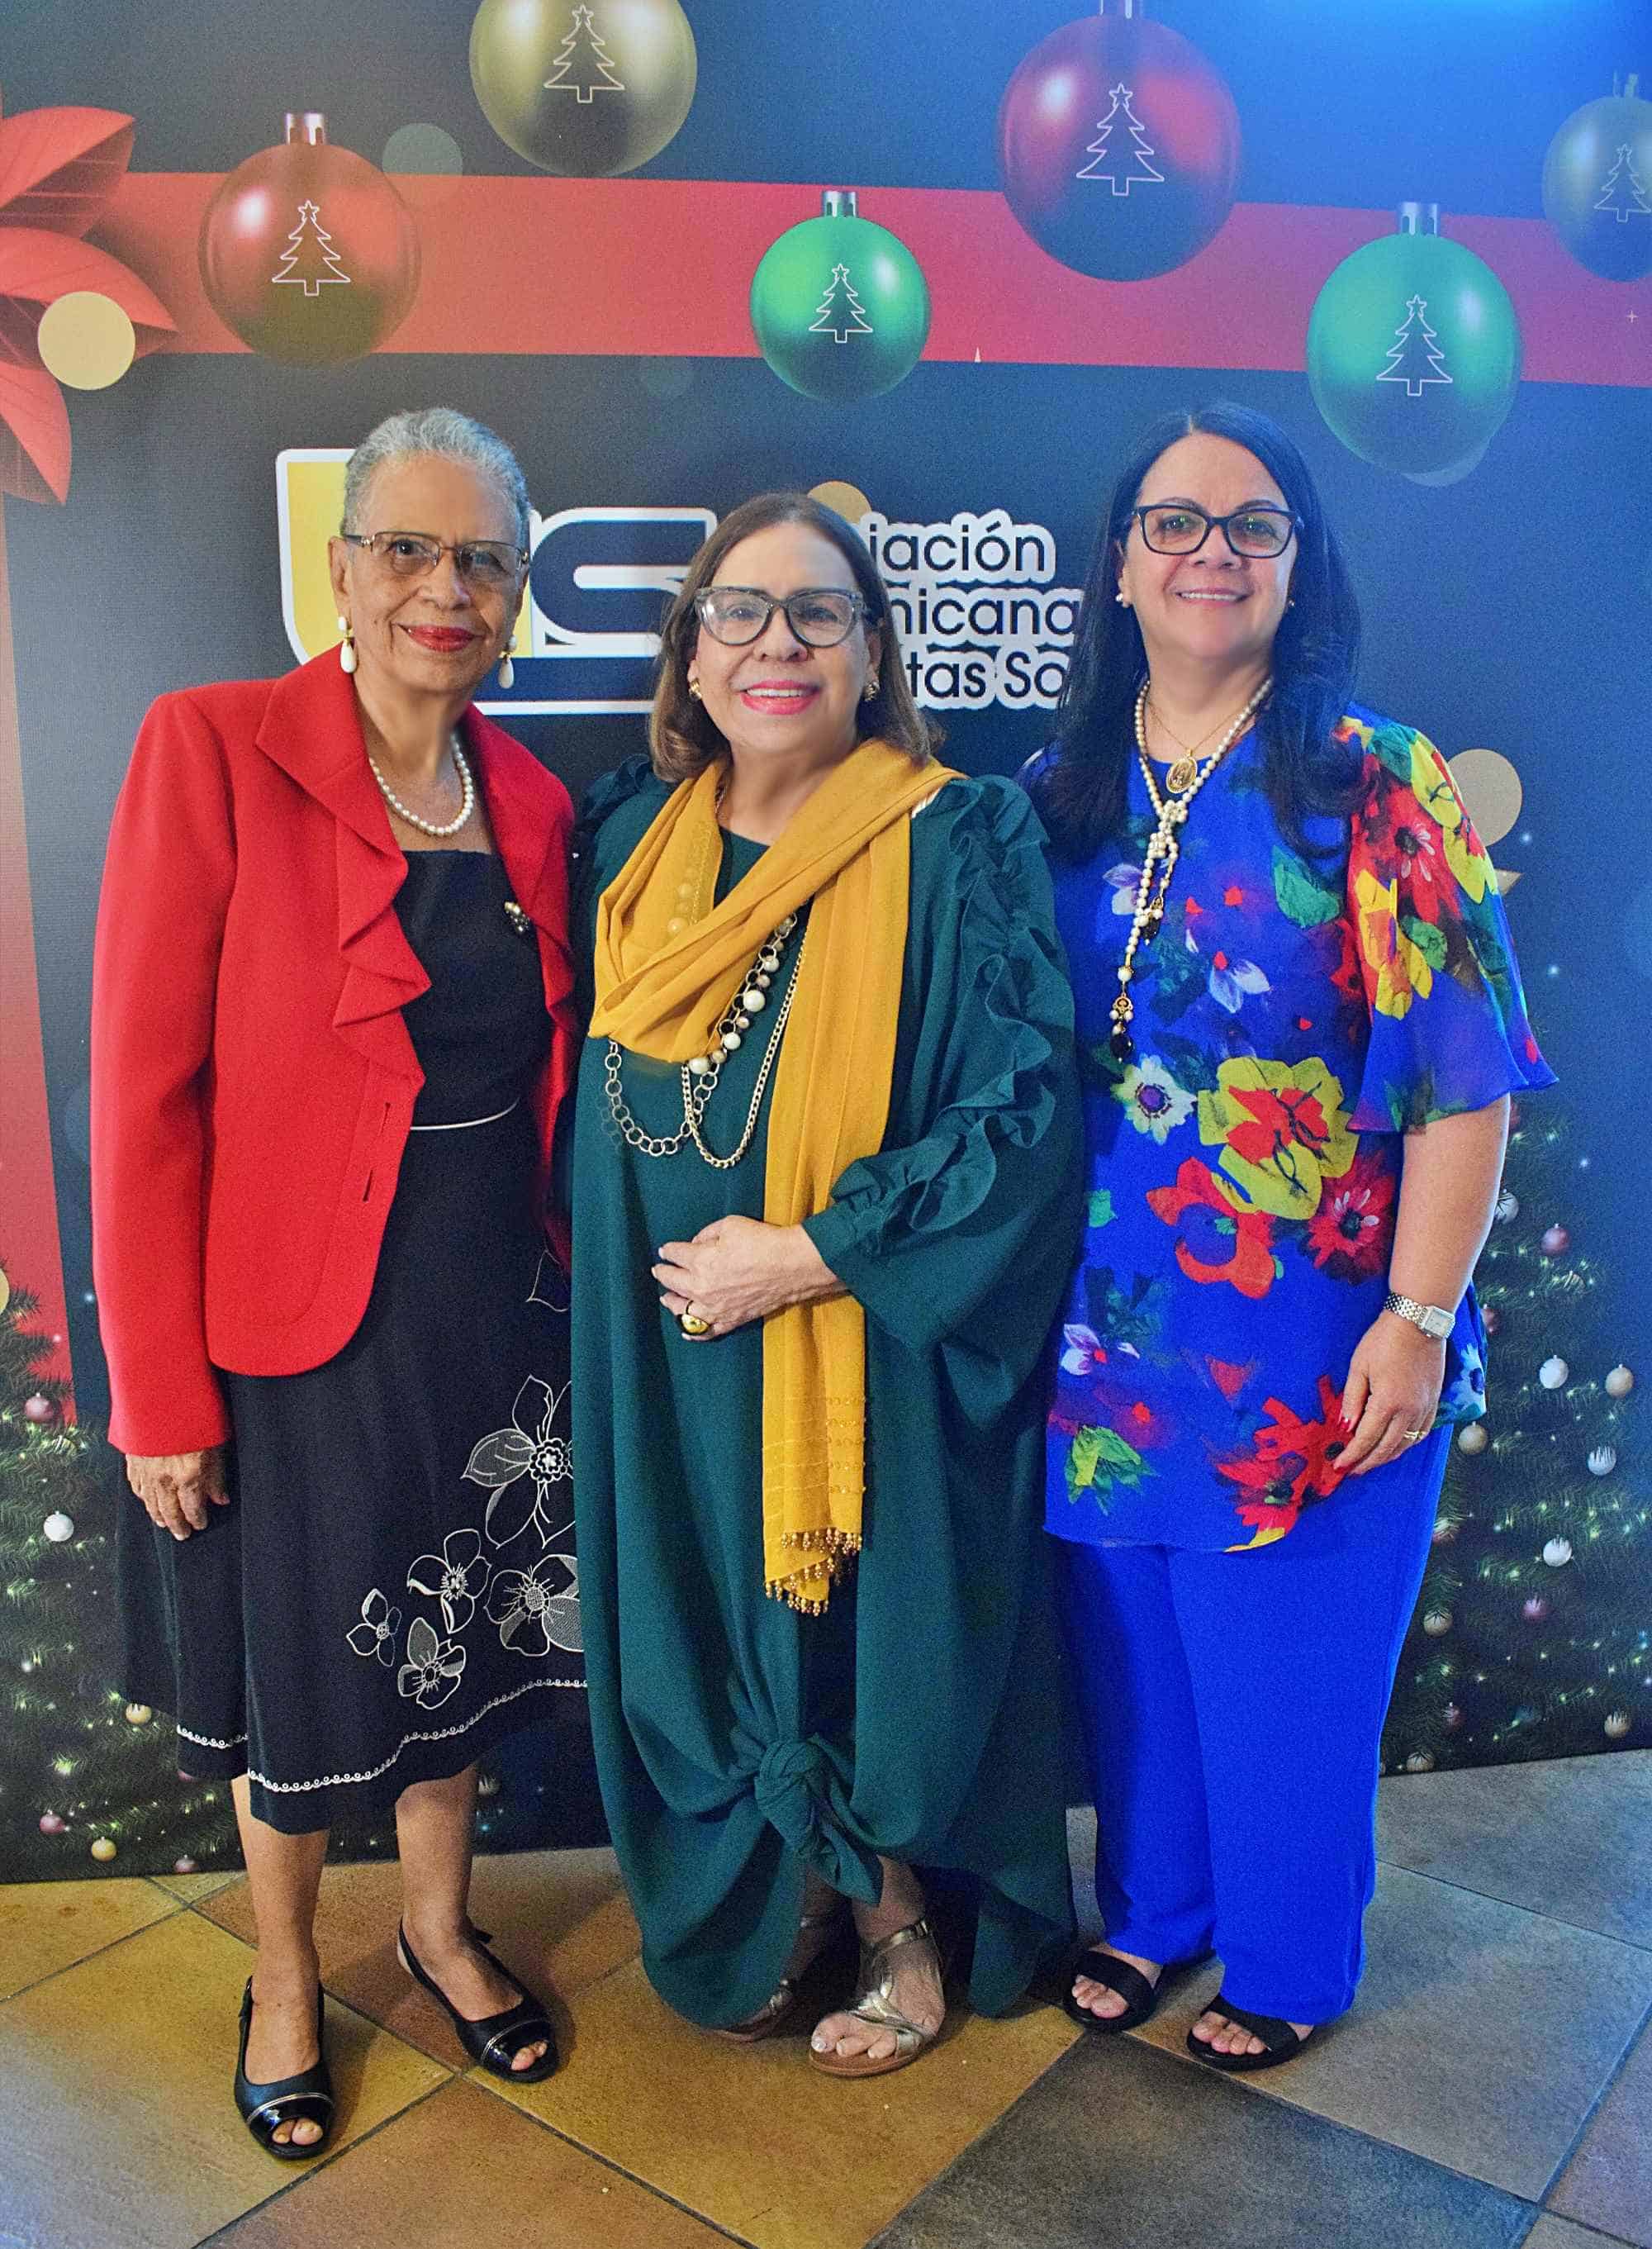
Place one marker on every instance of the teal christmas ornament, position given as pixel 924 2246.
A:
pixel 839 306
pixel 1597 183
pixel 1414 352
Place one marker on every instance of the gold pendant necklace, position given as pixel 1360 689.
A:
pixel 1164 849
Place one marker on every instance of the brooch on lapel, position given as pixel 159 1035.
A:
pixel 519 918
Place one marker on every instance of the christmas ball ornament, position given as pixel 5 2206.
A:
pixel 1119 146
pixel 102 1850
pixel 5 1289
pixel 1557 1552
pixel 1413 351
pixel 1555 1242
pixel 1603 1459
pixel 585 88
pixel 1616 1724
pixel 1618 1382
pixel 51 1824
pixel 1535 1609
pixel 308 253
pixel 1438 1622
pixel 839 306
pixel 1554 1373
pixel 1472 1437
pixel 137 1714
pixel 1491 1317
pixel 1508 1207
pixel 57 1527
pixel 1597 184
pixel 1452 1718
pixel 38 1409
pixel 184 1867
pixel 1420 1761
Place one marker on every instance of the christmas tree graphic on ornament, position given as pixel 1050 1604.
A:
pixel 1415 357
pixel 311 242
pixel 1623 191
pixel 840 312
pixel 1125 167
pixel 584 66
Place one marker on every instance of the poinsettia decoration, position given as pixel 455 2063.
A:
pixel 59 170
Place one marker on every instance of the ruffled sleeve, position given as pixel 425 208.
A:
pixel 594 858
pixel 984 1186
pixel 1448 1029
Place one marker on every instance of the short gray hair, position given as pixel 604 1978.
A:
pixel 450 435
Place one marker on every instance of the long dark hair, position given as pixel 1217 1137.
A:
pixel 680 735
pixel 1079 791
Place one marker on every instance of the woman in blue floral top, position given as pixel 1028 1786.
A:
pixel 1300 1022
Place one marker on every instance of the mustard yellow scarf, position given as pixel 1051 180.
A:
pixel 669 964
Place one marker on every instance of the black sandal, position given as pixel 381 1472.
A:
pixel 1140 1997
pixel 496 2039
pixel 305 2099
pixel 1280 2040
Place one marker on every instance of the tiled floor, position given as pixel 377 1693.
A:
pixel 1493 2087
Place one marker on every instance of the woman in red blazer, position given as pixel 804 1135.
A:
pixel 330 1030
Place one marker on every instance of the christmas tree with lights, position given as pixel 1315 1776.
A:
pixel 1533 1634
pixel 88 1782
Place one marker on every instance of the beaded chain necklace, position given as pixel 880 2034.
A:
pixel 700 1074
pixel 1183 783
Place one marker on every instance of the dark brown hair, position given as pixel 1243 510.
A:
pixel 680 735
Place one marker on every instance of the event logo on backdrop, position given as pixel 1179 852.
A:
pixel 980 618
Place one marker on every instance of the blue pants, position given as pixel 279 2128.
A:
pixel 1233 1706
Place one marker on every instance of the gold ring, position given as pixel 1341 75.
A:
pixel 1411 1436
pixel 692 1324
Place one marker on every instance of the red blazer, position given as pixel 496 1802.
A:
pixel 252 1079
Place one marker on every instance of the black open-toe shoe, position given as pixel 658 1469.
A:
pixel 496 2039
pixel 1141 1997
pixel 1280 2040
pixel 305 2099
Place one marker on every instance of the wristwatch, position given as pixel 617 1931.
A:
pixel 1433 1319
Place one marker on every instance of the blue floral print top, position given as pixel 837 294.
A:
pixel 1293 1020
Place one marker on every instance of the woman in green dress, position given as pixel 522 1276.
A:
pixel 828 1188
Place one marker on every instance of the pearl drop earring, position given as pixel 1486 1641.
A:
pixel 346 647
pixel 507 671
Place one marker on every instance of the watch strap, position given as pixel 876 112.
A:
pixel 1433 1319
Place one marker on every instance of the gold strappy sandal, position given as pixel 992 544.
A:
pixel 781 2005
pixel 875 2005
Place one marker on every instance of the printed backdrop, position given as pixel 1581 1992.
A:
pixel 941 264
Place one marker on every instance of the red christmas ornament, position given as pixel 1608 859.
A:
pixel 308 253
pixel 1492 1318
pixel 1119 146
pixel 1555 1242
pixel 52 1823
pixel 40 1409
pixel 1535 1610
pixel 1453 1717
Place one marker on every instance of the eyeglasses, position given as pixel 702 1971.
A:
pixel 1179 528
pixel 819 615
pixel 486 565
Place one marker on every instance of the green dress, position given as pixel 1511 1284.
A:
pixel 920 1716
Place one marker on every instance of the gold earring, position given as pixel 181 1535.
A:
pixel 868 693
pixel 694 689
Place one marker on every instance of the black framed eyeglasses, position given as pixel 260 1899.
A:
pixel 1178 527
pixel 486 565
pixel 820 616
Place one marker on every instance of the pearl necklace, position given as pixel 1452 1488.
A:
pixel 700 1072
pixel 1164 849
pixel 467 795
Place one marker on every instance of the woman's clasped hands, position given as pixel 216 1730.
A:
pixel 736 1270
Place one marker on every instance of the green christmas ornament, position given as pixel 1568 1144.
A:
pixel 839 306
pixel 1414 352
pixel 1597 184
pixel 584 88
